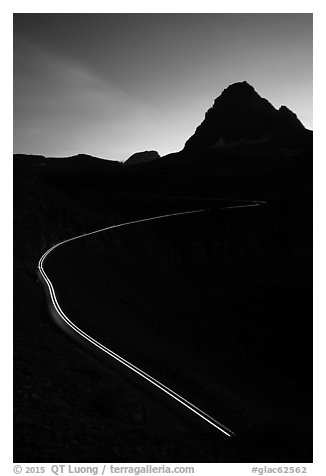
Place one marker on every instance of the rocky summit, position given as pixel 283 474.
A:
pixel 241 116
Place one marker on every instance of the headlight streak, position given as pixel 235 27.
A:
pixel 190 406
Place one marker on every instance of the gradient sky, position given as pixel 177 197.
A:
pixel 110 85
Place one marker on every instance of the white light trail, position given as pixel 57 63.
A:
pixel 190 406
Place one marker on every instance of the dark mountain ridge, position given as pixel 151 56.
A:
pixel 245 147
pixel 142 157
pixel 70 169
pixel 241 116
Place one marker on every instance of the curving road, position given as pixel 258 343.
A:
pixel 191 407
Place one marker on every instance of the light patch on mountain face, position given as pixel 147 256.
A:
pixel 222 144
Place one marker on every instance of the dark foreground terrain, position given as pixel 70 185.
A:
pixel 217 305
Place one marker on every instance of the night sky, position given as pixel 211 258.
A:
pixel 110 85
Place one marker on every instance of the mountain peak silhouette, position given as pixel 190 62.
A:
pixel 286 113
pixel 240 88
pixel 241 115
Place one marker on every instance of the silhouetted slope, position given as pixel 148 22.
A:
pixel 80 162
pixel 142 157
